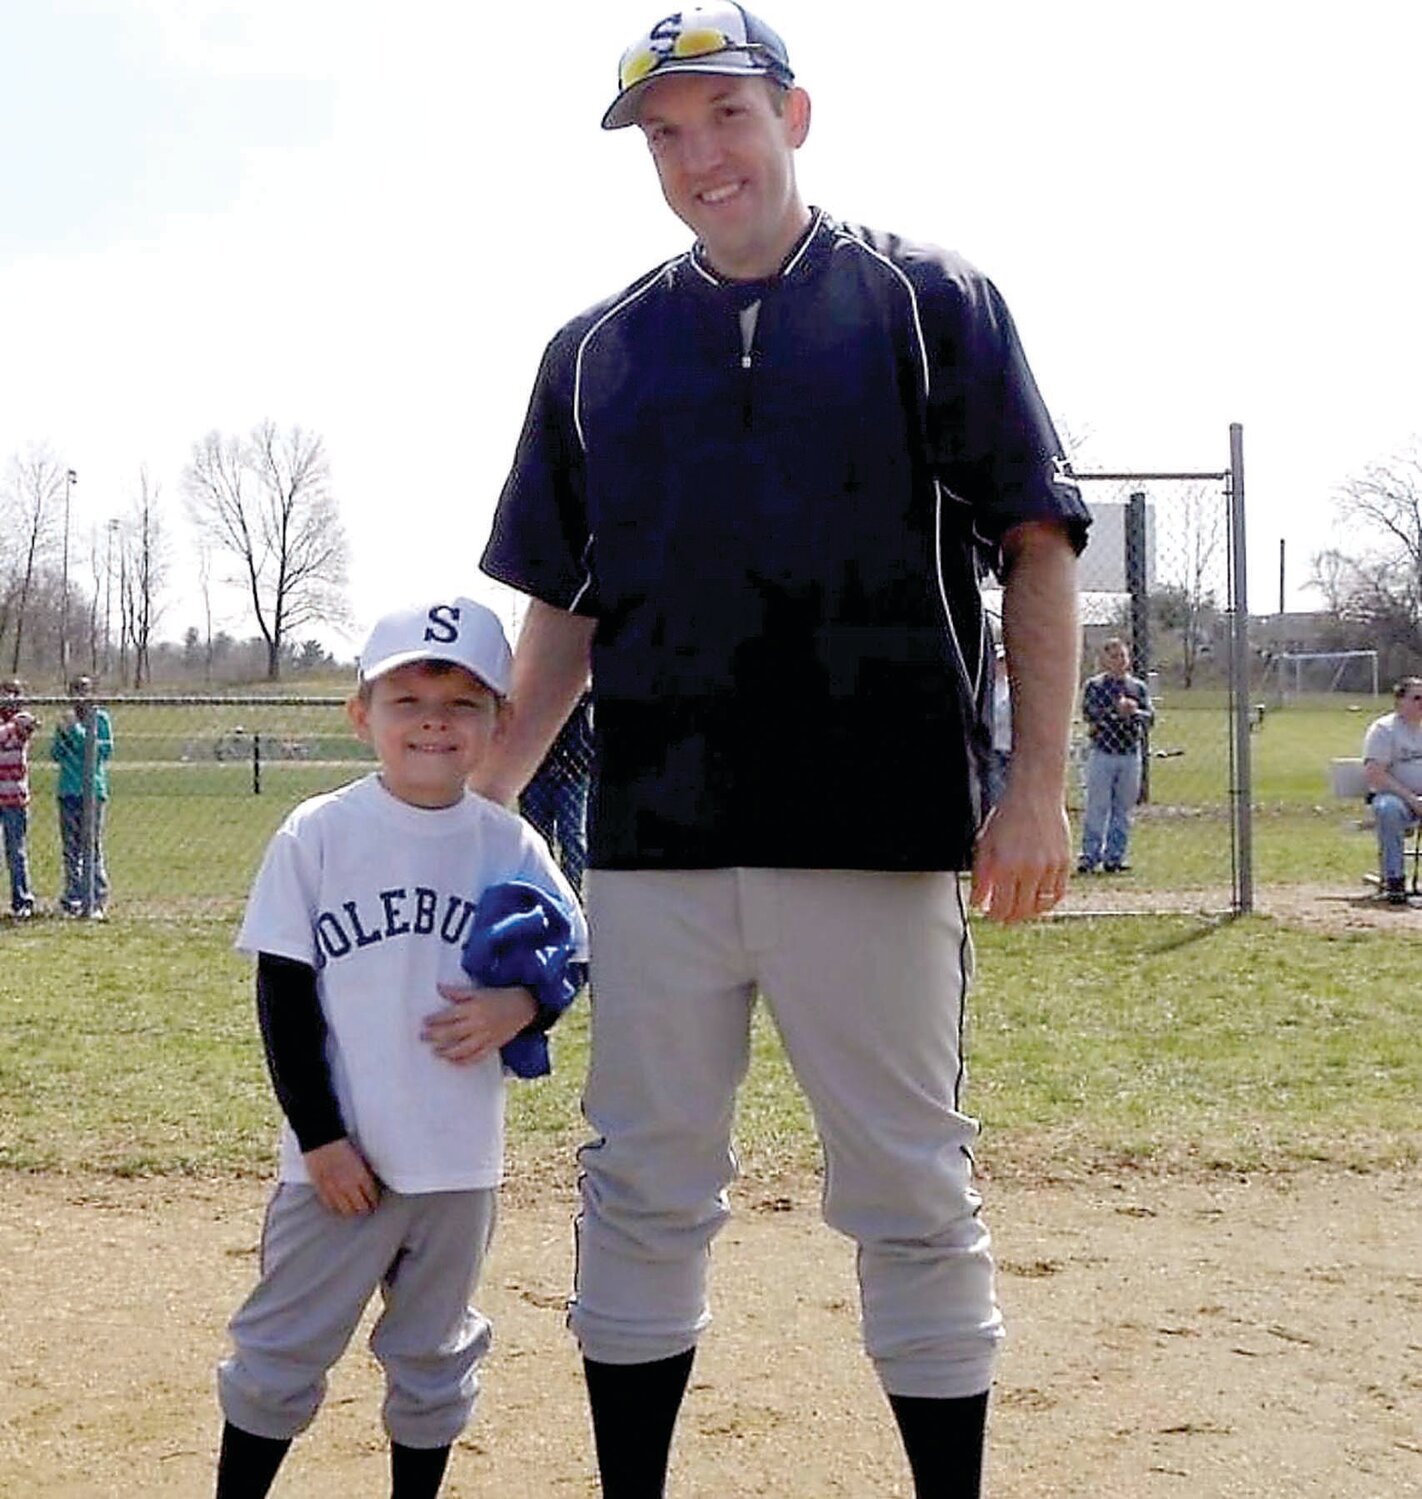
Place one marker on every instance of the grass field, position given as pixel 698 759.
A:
pixel 131 1047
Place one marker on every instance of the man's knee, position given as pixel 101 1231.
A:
pixel 1391 813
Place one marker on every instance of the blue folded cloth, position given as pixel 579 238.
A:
pixel 523 935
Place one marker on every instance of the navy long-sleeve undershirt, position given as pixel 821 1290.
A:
pixel 294 1035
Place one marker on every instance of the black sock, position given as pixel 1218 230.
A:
pixel 634 1408
pixel 248 1463
pixel 944 1443
pixel 416 1472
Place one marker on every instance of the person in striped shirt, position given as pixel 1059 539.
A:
pixel 17 725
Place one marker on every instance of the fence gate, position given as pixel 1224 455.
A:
pixel 1165 571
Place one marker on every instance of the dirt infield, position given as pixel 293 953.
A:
pixel 1324 908
pixel 1167 1337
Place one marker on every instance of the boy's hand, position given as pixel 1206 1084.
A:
pixel 477 1021
pixel 343 1181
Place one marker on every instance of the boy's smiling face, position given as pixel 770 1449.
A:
pixel 430 725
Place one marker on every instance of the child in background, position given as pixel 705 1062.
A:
pixel 16 727
pixel 67 750
pixel 385 1059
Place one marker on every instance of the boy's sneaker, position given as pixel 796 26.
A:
pixel 1396 892
pixel 23 913
pixel 1121 867
pixel 1085 866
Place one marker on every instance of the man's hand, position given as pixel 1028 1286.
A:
pixel 1022 857
pixel 342 1179
pixel 477 1021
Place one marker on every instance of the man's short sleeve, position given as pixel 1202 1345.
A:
pixel 540 541
pixel 1377 742
pixel 991 438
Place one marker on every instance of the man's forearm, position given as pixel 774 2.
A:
pixel 550 671
pixel 1379 777
pixel 1041 633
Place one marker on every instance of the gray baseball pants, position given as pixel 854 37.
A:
pixel 865 974
pixel 318 1272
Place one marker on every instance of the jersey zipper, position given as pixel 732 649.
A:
pixel 748 319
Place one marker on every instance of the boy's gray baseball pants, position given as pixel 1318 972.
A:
pixel 423 1251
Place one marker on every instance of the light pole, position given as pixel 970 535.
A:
pixel 108 597
pixel 70 480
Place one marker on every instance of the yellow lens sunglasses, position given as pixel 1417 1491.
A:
pixel 701 41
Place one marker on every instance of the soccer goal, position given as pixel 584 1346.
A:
pixel 1297 674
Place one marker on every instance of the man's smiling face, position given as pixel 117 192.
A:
pixel 724 149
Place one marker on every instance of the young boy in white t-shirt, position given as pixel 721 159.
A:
pixel 386 1059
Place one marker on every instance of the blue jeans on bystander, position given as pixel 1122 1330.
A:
pixel 1113 782
pixel 71 837
pixel 16 823
pixel 1394 817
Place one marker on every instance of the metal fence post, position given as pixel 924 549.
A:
pixel 1138 586
pixel 88 815
pixel 1242 791
pixel 256 763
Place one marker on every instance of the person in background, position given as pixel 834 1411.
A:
pixel 555 801
pixel 17 725
pixel 1000 755
pixel 1392 767
pixel 1117 710
pixel 67 749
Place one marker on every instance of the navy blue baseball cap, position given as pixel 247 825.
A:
pixel 716 39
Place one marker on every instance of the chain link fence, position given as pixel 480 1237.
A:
pixel 1163 573
pixel 196 786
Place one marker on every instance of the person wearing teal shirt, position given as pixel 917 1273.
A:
pixel 67 750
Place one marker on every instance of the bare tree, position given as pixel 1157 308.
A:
pixel 150 569
pixel 33 495
pixel 204 553
pixel 266 501
pixel 1204 531
pixel 1374 581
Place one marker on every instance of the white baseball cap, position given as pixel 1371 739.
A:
pixel 461 631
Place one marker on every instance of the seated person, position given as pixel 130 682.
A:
pixel 1392 767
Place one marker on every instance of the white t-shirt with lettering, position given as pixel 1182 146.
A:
pixel 1397 745
pixel 378 897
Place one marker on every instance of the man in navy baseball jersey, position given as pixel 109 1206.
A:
pixel 754 495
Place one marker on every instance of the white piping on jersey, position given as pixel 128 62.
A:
pixel 972 677
pixel 587 573
pixel 795 259
pixel 637 291
pixel 805 243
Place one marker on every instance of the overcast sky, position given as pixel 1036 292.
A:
pixel 369 219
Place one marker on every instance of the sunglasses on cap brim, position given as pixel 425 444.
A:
pixel 697 42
